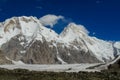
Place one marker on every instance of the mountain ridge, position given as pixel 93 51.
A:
pixel 26 39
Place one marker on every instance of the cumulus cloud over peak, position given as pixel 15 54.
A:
pixel 50 20
pixel 78 27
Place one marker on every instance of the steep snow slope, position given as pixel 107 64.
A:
pixel 101 49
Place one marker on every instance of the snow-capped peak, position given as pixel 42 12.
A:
pixel 73 31
pixel 29 27
pixel 101 49
pixel 77 28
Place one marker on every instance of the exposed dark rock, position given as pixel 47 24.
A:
pixel 3 59
pixel 43 52
pixel 115 66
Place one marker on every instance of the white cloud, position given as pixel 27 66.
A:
pixel 50 20
pixel 78 27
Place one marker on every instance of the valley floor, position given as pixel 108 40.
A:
pixel 53 68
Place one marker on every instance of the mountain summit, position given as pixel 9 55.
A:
pixel 26 39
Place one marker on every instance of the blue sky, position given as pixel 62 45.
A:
pixel 101 17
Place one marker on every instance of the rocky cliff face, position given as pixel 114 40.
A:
pixel 3 59
pixel 26 39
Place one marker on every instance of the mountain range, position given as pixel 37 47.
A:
pixel 27 40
